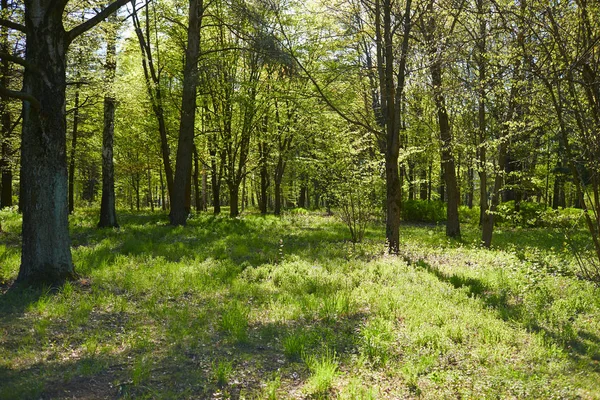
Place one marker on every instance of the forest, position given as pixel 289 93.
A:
pixel 265 199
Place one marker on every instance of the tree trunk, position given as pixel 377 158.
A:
pixel 153 87
pixel 6 121
pixel 46 252
pixel 234 194
pixel 393 201
pixel 180 206
pixel 162 190
pixel 423 186
pixel 198 195
pixel 108 213
pixel 73 151
pixel 448 165
pixel 277 206
pixel 264 186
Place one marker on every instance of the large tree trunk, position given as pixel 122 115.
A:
pixel 180 207
pixel 46 253
pixel 234 191
pixel 393 202
pixel 108 213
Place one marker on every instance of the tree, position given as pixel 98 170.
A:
pixel 108 213
pixel 180 207
pixel 46 253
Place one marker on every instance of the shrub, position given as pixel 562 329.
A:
pixel 423 211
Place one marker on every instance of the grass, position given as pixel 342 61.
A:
pixel 265 307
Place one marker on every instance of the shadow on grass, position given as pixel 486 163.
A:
pixel 581 345
pixel 186 365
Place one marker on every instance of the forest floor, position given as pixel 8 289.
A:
pixel 263 307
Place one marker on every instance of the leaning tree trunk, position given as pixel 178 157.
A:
pixel 46 253
pixel 180 207
pixel 108 213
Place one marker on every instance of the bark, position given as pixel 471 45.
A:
pixel 153 86
pixel 198 195
pixel 447 156
pixel 392 74
pixel 180 195
pixel 73 151
pixel 6 121
pixel 423 185
pixel 215 179
pixel 450 183
pixel 393 203
pixel 46 254
pixel 108 213
pixel 277 206
pixel 234 201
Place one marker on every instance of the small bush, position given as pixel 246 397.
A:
pixel 423 211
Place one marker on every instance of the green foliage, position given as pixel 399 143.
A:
pixel 222 372
pixel 167 319
pixel 423 211
pixel 537 215
pixel 235 322
pixel 323 369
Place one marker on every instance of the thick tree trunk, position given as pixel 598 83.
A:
pixel 302 198
pixel 393 202
pixel 46 253
pixel 108 212
pixel 234 200
pixel 180 206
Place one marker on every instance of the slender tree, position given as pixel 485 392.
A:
pixel 180 207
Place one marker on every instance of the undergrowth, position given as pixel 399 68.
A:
pixel 266 307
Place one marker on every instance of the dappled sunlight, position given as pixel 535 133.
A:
pixel 268 307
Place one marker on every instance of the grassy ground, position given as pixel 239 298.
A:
pixel 262 307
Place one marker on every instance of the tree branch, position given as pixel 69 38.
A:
pixel 95 20
pixel 12 25
pixel 21 96
pixel 14 59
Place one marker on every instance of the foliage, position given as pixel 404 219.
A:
pixel 156 312
pixel 423 211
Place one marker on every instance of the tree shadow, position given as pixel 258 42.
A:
pixel 581 345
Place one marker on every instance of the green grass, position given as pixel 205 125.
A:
pixel 266 307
